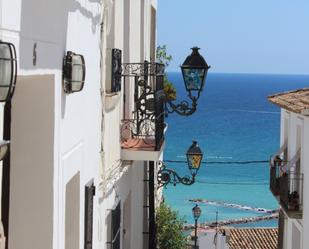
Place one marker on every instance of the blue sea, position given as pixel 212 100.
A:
pixel 234 122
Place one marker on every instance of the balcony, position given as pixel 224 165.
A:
pixel 142 134
pixel 287 187
pixel 291 194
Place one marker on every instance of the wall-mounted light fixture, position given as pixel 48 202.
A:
pixel 194 72
pixel 4 147
pixel 8 70
pixel 74 72
pixel 194 159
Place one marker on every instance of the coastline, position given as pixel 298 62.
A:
pixel 234 221
pixel 235 123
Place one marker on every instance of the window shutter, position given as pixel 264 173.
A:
pixel 89 193
pixel 116 220
pixel 116 70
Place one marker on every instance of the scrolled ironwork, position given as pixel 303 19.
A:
pixel 131 129
pixel 142 69
pixel 183 108
pixel 167 176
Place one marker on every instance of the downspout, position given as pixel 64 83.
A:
pixel 152 215
pixel 106 18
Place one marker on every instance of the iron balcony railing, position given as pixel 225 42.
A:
pixel 275 173
pixel 274 182
pixel 144 127
pixel 286 184
pixel 291 194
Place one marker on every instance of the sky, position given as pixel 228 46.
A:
pixel 237 36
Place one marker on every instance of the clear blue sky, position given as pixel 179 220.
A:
pixel 238 36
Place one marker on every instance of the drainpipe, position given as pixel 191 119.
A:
pixel 152 217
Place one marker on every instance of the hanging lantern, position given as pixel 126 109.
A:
pixel 74 72
pixel 8 70
pixel 194 71
pixel 194 158
pixel 196 212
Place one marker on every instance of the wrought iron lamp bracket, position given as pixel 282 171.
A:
pixel 183 108
pixel 166 176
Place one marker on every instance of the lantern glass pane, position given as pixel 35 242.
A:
pixel 77 70
pixel 5 70
pixel 193 78
pixel 194 161
pixel 76 86
pixel 196 211
pixel 4 91
pixel 3 151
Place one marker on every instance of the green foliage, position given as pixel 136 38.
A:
pixel 165 59
pixel 169 229
pixel 162 56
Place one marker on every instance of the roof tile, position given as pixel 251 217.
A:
pixel 296 101
pixel 252 238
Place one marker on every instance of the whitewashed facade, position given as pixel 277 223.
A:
pixel 212 239
pixel 61 143
pixel 292 189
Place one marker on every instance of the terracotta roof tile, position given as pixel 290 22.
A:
pixel 252 238
pixel 296 101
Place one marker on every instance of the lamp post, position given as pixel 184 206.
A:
pixel 194 158
pixel 196 212
pixel 194 72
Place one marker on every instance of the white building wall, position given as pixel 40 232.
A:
pixel 57 137
pixel 305 158
pixel 295 229
pixel 212 240
pixel 123 180
pixel 51 145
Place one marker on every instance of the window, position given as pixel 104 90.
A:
pixel 116 219
pixel 89 193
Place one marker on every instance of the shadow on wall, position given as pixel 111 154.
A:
pixel 44 31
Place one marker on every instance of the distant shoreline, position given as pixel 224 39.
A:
pixel 236 206
pixel 261 74
pixel 234 221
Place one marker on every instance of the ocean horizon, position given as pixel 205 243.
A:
pixel 234 122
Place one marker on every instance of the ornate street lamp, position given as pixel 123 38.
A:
pixel 194 159
pixel 74 72
pixel 8 70
pixel 196 212
pixel 194 71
